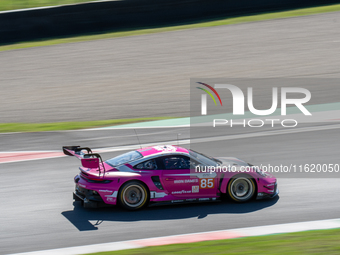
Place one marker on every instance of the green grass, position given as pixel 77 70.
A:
pixel 6 5
pixel 310 242
pixel 39 127
pixel 228 21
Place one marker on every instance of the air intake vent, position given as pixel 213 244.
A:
pixel 157 182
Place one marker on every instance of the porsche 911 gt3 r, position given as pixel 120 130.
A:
pixel 165 174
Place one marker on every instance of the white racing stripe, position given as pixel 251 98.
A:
pixel 193 237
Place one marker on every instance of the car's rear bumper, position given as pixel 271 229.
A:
pixel 88 198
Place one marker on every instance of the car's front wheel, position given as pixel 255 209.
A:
pixel 241 188
pixel 133 195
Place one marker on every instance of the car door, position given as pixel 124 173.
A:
pixel 176 176
pixel 182 182
pixel 207 181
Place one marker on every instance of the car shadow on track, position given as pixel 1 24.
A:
pixel 81 217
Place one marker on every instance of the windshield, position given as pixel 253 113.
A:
pixel 209 161
pixel 124 158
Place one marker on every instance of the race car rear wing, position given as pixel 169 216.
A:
pixel 88 159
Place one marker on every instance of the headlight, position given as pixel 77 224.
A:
pixel 260 172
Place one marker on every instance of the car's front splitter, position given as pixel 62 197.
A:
pixel 263 195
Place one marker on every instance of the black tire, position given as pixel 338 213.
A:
pixel 133 195
pixel 241 188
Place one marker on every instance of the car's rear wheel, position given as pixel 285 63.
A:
pixel 133 195
pixel 241 188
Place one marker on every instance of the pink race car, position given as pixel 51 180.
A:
pixel 165 174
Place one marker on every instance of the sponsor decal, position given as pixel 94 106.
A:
pixel 165 148
pixel 114 194
pixel 111 199
pixel 181 192
pixel 154 194
pixel 186 181
pixel 205 172
pixel 206 183
pixel 106 191
pixel 195 189
pixel 204 199
pixel 191 181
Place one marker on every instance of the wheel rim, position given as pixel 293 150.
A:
pixel 133 196
pixel 242 188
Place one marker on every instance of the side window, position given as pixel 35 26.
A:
pixel 193 164
pixel 176 162
pixel 147 165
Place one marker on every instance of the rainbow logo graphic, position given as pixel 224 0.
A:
pixel 204 97
pixel 209 93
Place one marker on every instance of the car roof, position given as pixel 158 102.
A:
pixel 162 149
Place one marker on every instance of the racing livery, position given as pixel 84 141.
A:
pixel 165 174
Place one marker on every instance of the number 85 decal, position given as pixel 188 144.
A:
pixel 206 183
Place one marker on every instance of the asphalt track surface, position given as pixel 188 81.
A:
pixel 38 212
pixel 149 75
pixel 57 83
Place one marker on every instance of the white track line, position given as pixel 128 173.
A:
pixel 227 137
pixel 193 237
pixel 266 133
pixel 198 140
pixel 143 127
pixel 53 6
pixel 115 246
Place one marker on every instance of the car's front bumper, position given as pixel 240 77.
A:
pixel 264 195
